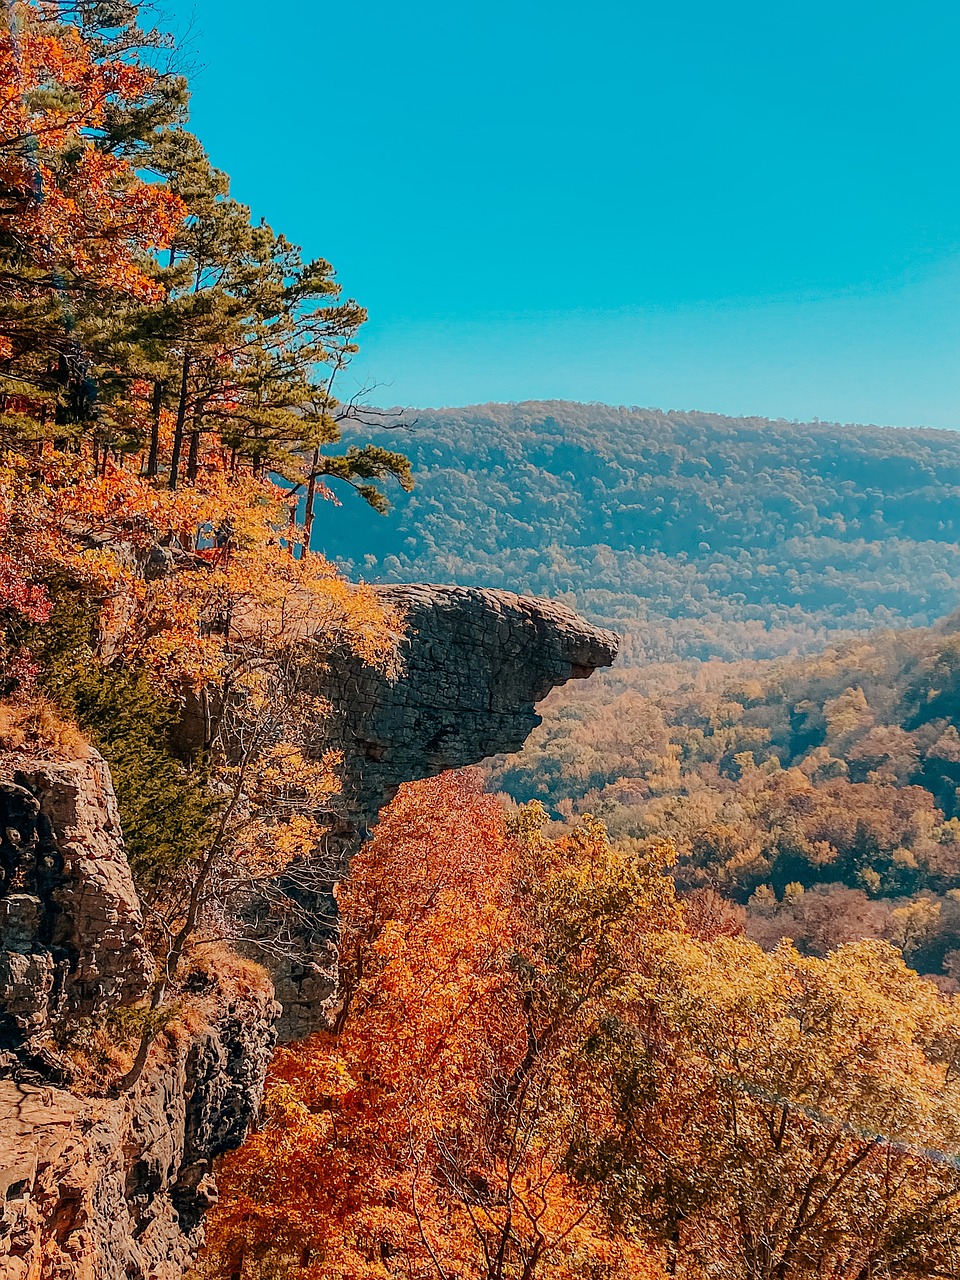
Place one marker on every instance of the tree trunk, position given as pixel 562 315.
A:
pixel 193 457
pixel 181 419
pixel 311 496
pixel 153 459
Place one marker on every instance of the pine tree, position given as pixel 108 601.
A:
pixel 79 109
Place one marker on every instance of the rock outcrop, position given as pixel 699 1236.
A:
pixel 94 1188
pixel 71 939
pixel 474 663
pixel 116 1189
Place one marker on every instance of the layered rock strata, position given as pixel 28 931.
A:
pixel 95 1188
pixel 474 663
pixel 71 941
pixel 116 1189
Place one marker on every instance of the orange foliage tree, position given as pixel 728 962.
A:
pixel 92 330
pixel 427 1135
pixel 539 1070
pixel 167 378
pixel 78 224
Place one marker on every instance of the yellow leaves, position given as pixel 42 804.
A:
pixel 911 925
pixel 285 795
pixel 844 1040
pixel 812 1096
pixel 266 849
pixel 283 772
pixel 230 584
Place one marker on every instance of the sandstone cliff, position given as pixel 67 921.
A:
pixel 474 663
pixel 70 922
pixel 94 1188
pixel 115 1188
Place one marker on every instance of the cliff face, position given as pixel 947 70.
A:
pixel 115 1188
pixel 70 922
pixel 99 1188
pixel 474 664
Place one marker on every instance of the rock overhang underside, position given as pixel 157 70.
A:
pixel 475 663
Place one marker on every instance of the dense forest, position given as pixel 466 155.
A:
pixel 571 1050
pixel 692 534
pixel 821 793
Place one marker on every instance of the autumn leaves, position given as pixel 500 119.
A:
pixel 542 1063
pixel 541 1070
pixel 167 413
pixel 167 367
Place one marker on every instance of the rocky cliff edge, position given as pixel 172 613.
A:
pixel 115 1188
pixel 473 665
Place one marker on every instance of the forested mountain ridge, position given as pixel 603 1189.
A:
pixel 694 534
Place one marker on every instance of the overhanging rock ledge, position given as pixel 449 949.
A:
pixel 475 663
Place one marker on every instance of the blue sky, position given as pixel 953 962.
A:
pixel 747 208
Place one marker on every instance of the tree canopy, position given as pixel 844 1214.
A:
pixel 543 1068
pixel 693 534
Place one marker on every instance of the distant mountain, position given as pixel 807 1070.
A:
pixel 694 534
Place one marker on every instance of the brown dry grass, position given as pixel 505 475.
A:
pixel 101 1049
pixel 38 728
pixel 223 976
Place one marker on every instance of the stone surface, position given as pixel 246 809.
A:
pixel 474 665
pixel 71 938
pixel 103 1189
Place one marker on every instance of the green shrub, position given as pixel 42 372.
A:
pixel 165 806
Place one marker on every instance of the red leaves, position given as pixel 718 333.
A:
pixel 20 597
pixel 79 212
pixel 428 1137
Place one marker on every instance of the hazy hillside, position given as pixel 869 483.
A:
pixel 695 534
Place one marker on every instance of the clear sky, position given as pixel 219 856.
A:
pixel 746 207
